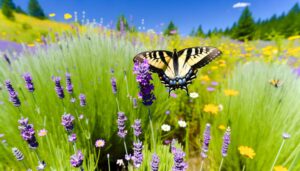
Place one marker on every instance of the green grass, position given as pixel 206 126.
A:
pixel 257 116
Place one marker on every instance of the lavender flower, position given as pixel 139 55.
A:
pixel 134 100
pixel 69 86
pixel 154 162
pixel 122 132
pixel 114 85
pixel 137 154
pixel 82 100
pixel 77 159
pixel 137 127
pixel 72 138
pixel 206 140
pixel 226 142
pixel 179 164
pixel 28 80
pixel 67 122
pixel 13 96
pixel 58 88
pixel 28 133
pixel 141 69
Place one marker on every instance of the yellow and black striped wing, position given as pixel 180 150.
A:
pixel 158 59
pixel 197 57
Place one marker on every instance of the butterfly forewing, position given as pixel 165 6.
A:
pixel 158 59
pixel 197 57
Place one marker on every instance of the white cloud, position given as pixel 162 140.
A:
pixel 241 5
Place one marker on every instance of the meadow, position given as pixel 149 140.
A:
pixel 84 101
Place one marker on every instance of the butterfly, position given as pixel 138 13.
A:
pixel 276 83
pixel 177 69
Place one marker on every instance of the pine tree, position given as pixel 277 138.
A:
pixel 10 3
pixel 35 9
pixel 7 11
pixel 199 32
pixel 245 27
pixel 20 10
pixel 171 29
pixel 122 24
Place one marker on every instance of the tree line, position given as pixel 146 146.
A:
pixel 34 9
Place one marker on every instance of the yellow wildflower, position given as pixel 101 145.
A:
pixel 247 152
pixel 67 16
pixel 211 108
pixel 52 15
pixel 204 78
pixel 214 67
pixel 231 92
pixel 222 127
pixel 31 45
pixel 294 37
pixel 280 168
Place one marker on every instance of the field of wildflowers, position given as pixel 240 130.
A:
pixel 82 104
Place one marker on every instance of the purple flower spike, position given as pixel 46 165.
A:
pixel 77 159
pixel 154 162
pixel 137 154
pixel 82 100
pixel 179 164
pixel 58 88
pixel 69 86
pixel 122 132
pixel 13 96
pixel 226 142
pixel 67 122
pixel 206 140
pixel 137 128
pixel 141 69
pixel 28 80
pixel 72 138
pixel 114 85
pixel 28 133
pixel 134 100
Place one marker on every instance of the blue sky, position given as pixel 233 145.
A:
pixel 186 14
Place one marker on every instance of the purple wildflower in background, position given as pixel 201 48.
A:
pixel 226 142
pixel 122 132
pixel 137 128
pixel 58 88
pixel 297 71
pixel 134 100
pixel 28 133
pixel 210 89
pixel 179 164
pixel 77 159
pixel 72 138
pixel 69 86
pixel 154 162
pixel 206 140
pixel 214 83
pixel 141 69
pixel 6 59
pixel 67 122
pixel 137 154
pixel 82 100
pixel 13 96
pixel 29 84
pixel 114 85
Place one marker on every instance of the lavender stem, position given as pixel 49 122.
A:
pixel 202 163
pixel 152 131
pixel 278 153
pixel 221 164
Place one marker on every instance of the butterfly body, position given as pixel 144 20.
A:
pixel 177 69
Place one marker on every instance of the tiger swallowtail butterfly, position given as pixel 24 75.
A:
pixel 177 69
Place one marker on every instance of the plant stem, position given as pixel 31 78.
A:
pixel 117 101
pixel 278 153
pixel 202 163
pixel 152 131
pixel 108 162
pixel 221 164
pixel 244 167
pixel 97 160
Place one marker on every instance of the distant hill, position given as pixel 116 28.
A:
pixel 29 29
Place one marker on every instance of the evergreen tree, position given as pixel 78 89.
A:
pixel 171 29
pixel 35 9
pixel 20 10
pixel 245 27
pixel 7 11
pixel 10 3
pixel 199 32
pixel 193 32
pixel 122 24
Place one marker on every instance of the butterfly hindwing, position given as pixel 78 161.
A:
pixel 157 59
